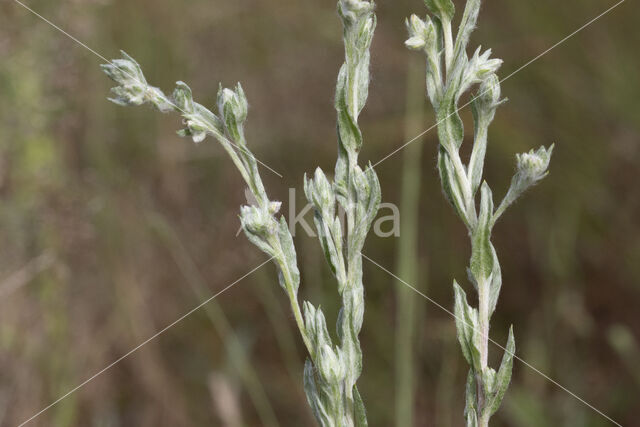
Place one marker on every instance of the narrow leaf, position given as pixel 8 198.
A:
pixel 466 325
pixel 471 397
pixel 481 255
pixel 450 185
pixel 467 24
pixel 451 128
pixel 444 9
pixel 289 250
pixel 496 281
pixel 476 162
pixel 361 415
pixel 503 377
pixel 313 397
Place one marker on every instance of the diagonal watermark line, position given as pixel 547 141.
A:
pixel 536 370
pixel 134 77
pixel 423 133
pixel 142 344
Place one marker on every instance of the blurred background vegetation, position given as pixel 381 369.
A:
pixel 112 226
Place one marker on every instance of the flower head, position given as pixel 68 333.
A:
pixel 479 68
pixel 352 11
pixel 422 34
pixel 198 120
pixel 232 108
pixel 532 166
pixel 133 88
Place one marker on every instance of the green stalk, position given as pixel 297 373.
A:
pixel 407 255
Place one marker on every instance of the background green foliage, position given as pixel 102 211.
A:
pixel 112 226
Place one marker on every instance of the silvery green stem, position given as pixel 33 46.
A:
pixel 357 192
pixel 460 184
pixel 259 222
pixel 448 42
pixel 331 371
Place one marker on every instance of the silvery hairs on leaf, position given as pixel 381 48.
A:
pixel 450 74
pixel 331 372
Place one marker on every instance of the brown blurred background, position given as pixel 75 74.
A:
pixel 112 227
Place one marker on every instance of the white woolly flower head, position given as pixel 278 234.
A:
pixel 479 67
pixel 133 88
pixel 128 75
pixel 487 100
pixel 353 10
pixel 489 91
pixel 198 120
pixel 320 192
pixel 233 103
pixel 233 108
pixel 256 220
pixel 422 34
pixel 533 166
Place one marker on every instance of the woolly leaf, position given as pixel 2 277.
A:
pixel 495 283
pixel 361 415
pixel 289 250
pixel 467 25
pixel 451 128
pixel 451 185
pixel 466 325
pixel 444 9
pixel 483 106
pixel 481 264
pixel 503 377
pixel 320 411
pixel 471 397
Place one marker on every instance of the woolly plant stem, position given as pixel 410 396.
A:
pixel 460 183
pixel 331 371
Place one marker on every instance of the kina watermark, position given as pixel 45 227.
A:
pixel 387 224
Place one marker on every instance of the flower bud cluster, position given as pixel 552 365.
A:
pixel 353 11
pixel 133 88
pixel 422 34
pixel 232 108
pixel 532 166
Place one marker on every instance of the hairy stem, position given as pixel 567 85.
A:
pixel 293 297
pixel 448 44
pixel 483 321
pixel 485 386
